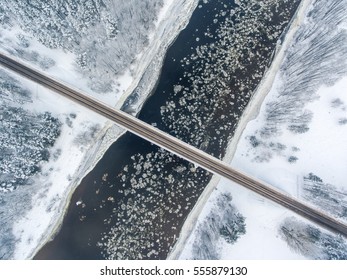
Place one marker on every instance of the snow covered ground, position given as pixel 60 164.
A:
pixel 51 187
pixel 296 143
pixel 84 136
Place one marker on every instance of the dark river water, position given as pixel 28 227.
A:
pixel 133 204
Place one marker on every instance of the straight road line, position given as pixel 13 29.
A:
pixel 176 146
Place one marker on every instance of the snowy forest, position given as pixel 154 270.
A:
pixel 326 196
pixel 313 61
pixel 223 224
pixel 105 36
pixel 312 242
pixel 25 136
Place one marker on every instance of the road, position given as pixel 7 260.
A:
pixel 176 146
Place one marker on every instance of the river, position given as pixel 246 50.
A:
pixel 133 204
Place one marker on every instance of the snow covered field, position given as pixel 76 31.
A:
pixel 84 136
pixel 296 143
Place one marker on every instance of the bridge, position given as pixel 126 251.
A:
pixel 176 146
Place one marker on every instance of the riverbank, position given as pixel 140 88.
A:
pixel 251 111
pixel 168 26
